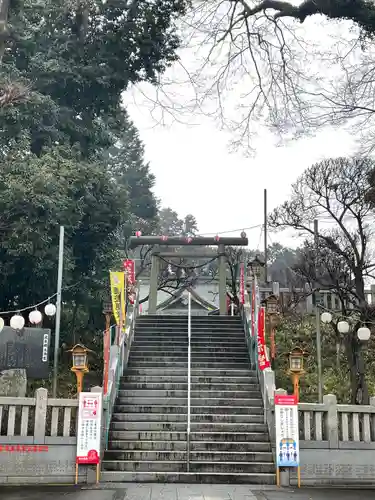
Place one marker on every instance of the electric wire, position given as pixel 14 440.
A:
pixel 35 306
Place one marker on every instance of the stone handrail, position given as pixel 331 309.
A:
pixel 38 420
pixel 119 356
pixel 337 425
pixel 266 377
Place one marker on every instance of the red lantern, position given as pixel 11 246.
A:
pixel 138 234
pixel 217 238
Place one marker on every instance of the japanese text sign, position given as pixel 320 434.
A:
pixel 287 433
pixel 89 428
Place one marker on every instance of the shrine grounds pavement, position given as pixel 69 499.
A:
pixel 180 492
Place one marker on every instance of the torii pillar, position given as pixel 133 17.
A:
pixel 173 241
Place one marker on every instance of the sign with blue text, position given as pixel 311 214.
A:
pixel 287 432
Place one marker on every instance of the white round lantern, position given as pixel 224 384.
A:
pixel 17 322
pixel 326 317
pixel 35 317
pixel 50 309
pixel 343 326
pixel 2 324
pixel 363 334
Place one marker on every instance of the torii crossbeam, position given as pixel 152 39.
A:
pixel 179 241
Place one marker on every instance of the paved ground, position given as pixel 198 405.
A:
pixel 182 492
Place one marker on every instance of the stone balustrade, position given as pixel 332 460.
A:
pixel 337 425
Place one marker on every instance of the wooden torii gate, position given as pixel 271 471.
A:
pixel 172 241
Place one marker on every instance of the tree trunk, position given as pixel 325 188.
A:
pixel 358 385
pixel 4 8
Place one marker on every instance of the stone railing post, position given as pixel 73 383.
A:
pixel 332 422
pixel 41 399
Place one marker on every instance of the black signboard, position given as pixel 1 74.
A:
pixel 27 349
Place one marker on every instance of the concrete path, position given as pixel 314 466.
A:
pixel 181 492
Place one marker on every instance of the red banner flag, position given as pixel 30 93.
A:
pixel 242 283
pixel 253 298
pixel 130 271
pixel 263 361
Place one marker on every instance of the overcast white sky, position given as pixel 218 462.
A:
pixel 196 173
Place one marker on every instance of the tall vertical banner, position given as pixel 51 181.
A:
pixel 117 279
pixel 242 283
pixel 287 433
pixel 263 361
pixel 253 308
pixel 129 268
pixel 89 428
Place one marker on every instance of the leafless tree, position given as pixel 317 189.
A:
pixel 294 68
pixel 337 189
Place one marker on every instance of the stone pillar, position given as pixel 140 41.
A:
pixel 153 294
pixel 332 426
pixel 222 281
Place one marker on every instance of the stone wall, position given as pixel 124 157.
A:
pixel 48 464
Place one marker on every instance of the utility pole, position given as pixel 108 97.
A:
pixel 58 312
pixel 265 238
pixel 317 315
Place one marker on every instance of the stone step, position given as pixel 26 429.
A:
pixel 115 435
pixel 188 477
pixel 195 343
pixel 149 379
pixel 196 326
pixel 157 371
pixel 149 417
pixel 176 401
pixel 182 417
pixel 180 465
pixel 207 350
pixel 195 456
pixel 146 445
pixel 182 386
pixel 230 381
pixel 224 365
pixel 173 393
pixel 206 373
pixel 234 446
pixel 252 467
pixel 167 348
pixel 182 426
pixel 176 318
pixel 158 357
pixel 142 455
pixel 149 426
pixel 145 465
pixel 229 436
pixel 157 338
pixel 240 357
pixel 156 364
pixel 199 410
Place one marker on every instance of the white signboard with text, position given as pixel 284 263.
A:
pixel 89 428
pixel 287 431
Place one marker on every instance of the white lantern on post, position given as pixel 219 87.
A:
pixel 363 334
pixel 35 317
pixel 326 317
pixel 50 310
pixel 17 322
pixel 2 324
pixel 343 326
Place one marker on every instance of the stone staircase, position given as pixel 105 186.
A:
pixel 229 442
